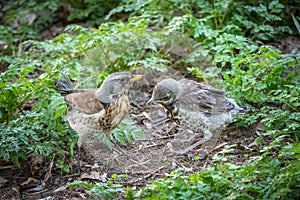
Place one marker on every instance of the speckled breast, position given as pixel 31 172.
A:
pixel 195 121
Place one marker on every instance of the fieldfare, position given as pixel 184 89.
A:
pixel 196 107
pixel 99 110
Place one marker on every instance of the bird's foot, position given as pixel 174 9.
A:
pixel 199 155
pixel 78 161
pixel 193 146
pixel 122 151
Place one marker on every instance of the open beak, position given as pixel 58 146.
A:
pixel 136 77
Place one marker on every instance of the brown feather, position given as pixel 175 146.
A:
pixel 85 101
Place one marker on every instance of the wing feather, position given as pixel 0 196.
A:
pixel 200 97
pixel 85 101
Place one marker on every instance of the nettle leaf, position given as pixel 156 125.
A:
pixel 127 131
pixel 275 6
pixel 231 32
pixel 24 135
pixel 57 107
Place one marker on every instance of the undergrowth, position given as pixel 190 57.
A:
pixel 234 35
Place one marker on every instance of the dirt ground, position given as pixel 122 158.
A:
pixel 142 160
pixel 147 158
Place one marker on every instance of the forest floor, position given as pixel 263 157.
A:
pixel 149 158
pixel 144 159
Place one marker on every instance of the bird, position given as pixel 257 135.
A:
pixel 97 110
pixel 196 106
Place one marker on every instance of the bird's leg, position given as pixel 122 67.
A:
pixel 207 136
pixel 122 151
pixel 78 160
pixel 160 121
pixel 209 145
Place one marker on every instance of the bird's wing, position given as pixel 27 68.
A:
pixel 63 86
pixel 85 101
pixel 200 97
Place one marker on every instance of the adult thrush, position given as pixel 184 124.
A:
pixel 92 111
pixel 196 107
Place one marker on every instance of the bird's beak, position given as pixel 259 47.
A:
pixel 150 100
pixel 136 77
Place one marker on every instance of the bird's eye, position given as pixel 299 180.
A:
pixel 122 80
pixel 167 96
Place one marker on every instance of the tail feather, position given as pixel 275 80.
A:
pixel 64 86
pixel 234 108
pixel 242 109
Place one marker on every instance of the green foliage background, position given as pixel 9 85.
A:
pixel 236 34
